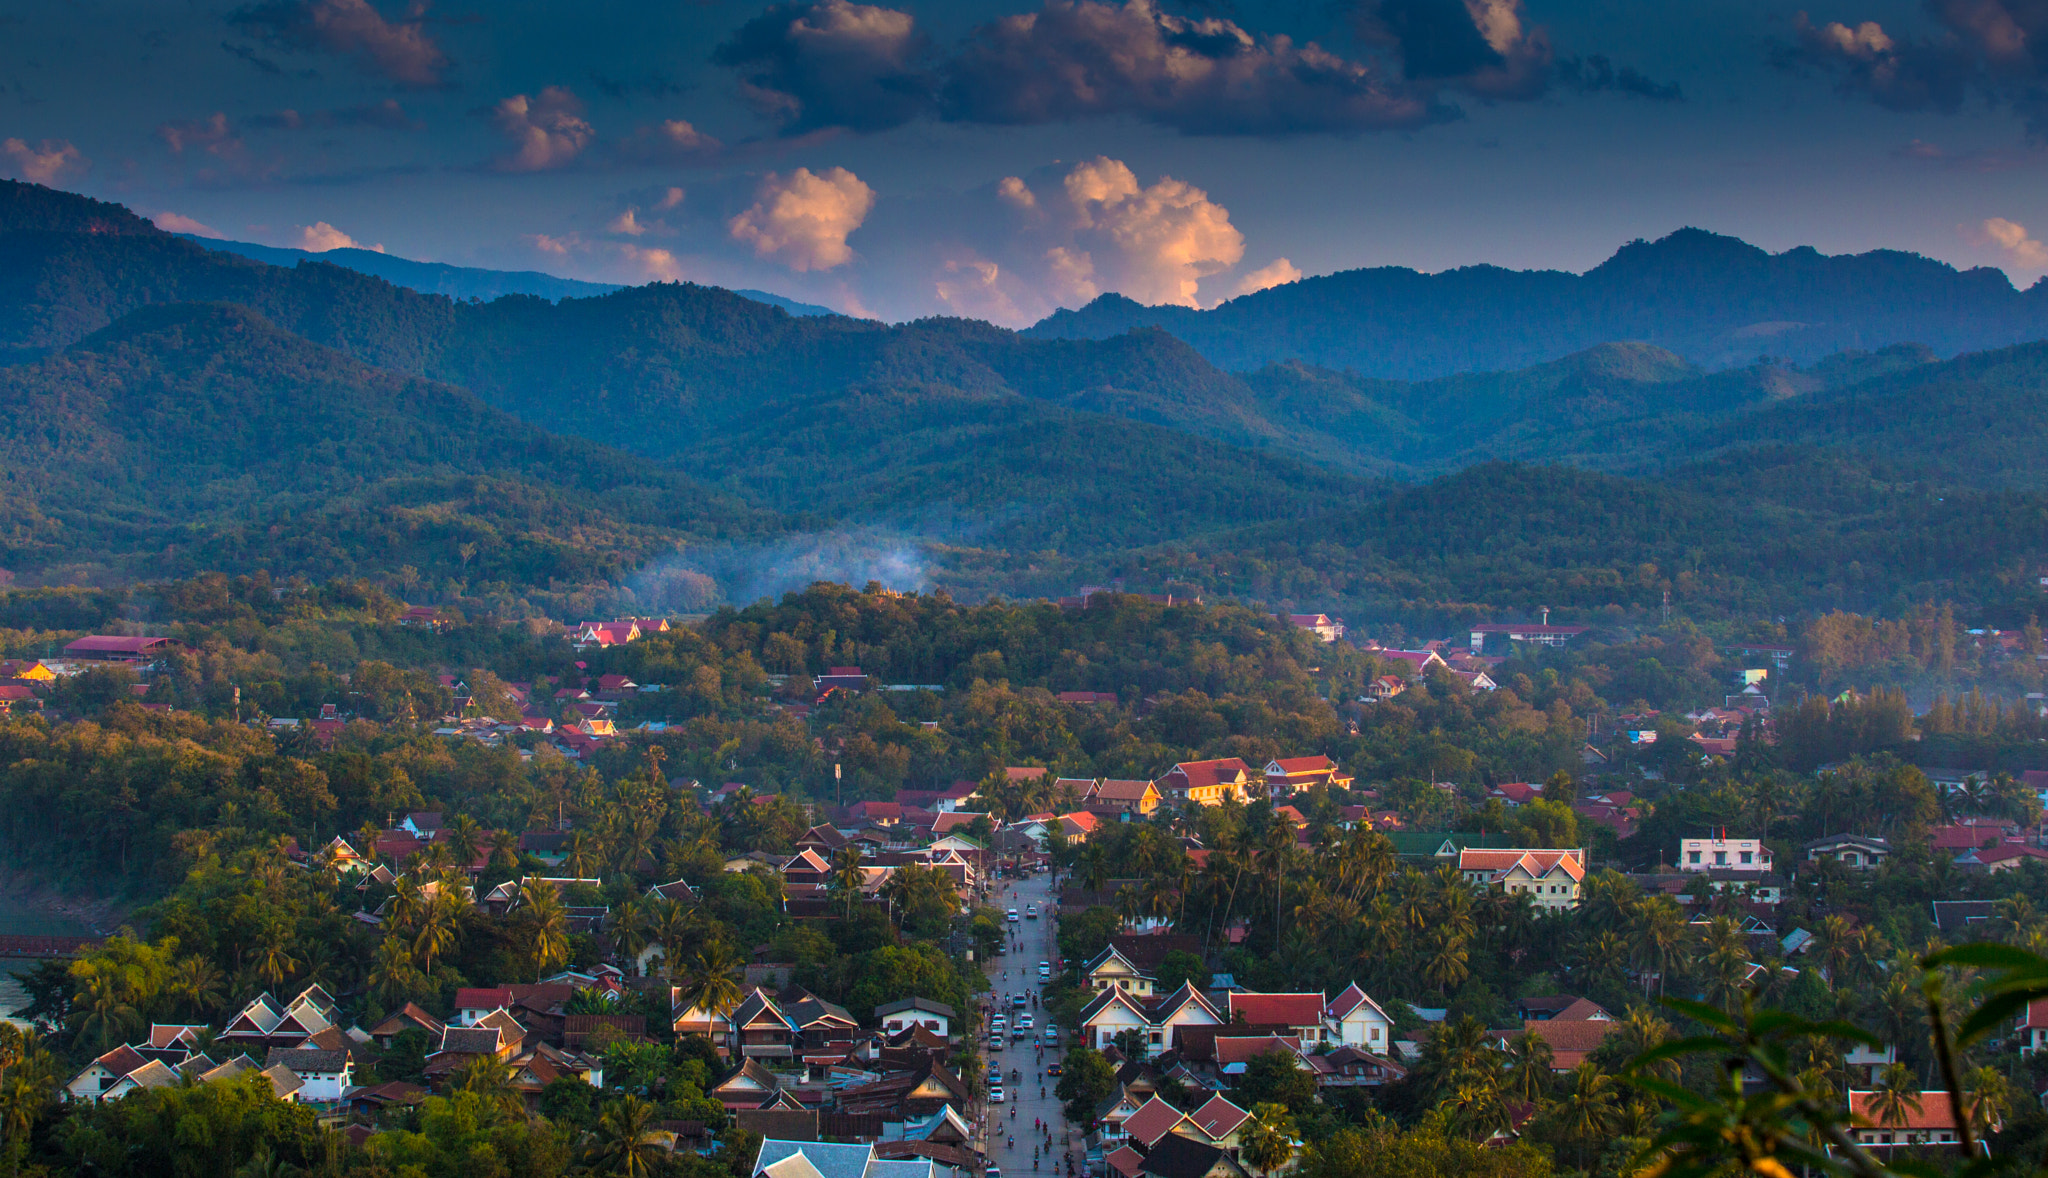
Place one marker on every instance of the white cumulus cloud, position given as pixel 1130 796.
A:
pixel 544 131
pixel 1278 272
pixel 1154 243
pixel 171 222
pixel 2013 239
pixel 802 219
pixel 319 237
pixel 47 162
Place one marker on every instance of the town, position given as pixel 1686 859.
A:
pixel 1332 948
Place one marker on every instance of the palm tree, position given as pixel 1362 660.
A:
pixel 1987 1098
pixel 490 1079
pixel 846 878
pixel 1657 937
pixel 582 857
pixel 1588 1112
pixel 408 903
pixel 629 933
pixel 709 986
pixel 392 975
pixel 437 928
pixel 1268 1142
pixel 465 841
pixel 108 1017
pixel 196 984
pixel 671 922
pixel 21 1102
pixel 1897 1096
pixel 1446 962
pixel 1529 1058
pixel 623 1142
pixel 546 924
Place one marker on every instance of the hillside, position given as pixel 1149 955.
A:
pixel 457 282
pixel 1714 300
pixel 201 436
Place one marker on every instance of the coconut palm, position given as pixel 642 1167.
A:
pixel 624 1142
pixel 197 984
pixel 1987 1098
pixel 1528 1074
pixel 1657 938
pixel 672 924
pixel 629 932
pixel 465 841
pixel 583 857
pixel 709 986
pixel 392 976
pixel 546 924
pixel 491 1080
pixel 108 1016
pixel 437 928
pixel 1897 1096
pixel 1588 1111
pixel 1268 1141
pixel 845 879
pixel 21 1103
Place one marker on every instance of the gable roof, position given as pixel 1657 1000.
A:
pixel 1934 1111
pixel 1153 1120
pixel 1350 999
pixel 1184 1157
pixel 1219 1118
pixel 1280 1010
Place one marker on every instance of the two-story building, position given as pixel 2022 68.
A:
pixel 1721 853
pixel 1550 876
pixel 1206 783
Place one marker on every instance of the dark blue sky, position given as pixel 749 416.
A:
pixel 1000 159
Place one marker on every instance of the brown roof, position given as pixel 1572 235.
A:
pixel 1153 1120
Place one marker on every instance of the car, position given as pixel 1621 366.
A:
pixel 1013 916
pixel 1020 1034
pixel 1032 912
pixel 1044 974
pixel 1017 1000
pixel 995 1094
pixel 995 1075
pixel 1054 1068
pixel 1052 1037
pixel 1024 1022
pixel 995 1044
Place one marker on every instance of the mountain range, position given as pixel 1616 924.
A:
pixel 171 407
pixel 1715 300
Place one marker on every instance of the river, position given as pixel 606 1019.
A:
pixel 22 919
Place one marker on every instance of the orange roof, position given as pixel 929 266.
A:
pixel 1573 1035
pixel 1278 1010
pixel 1934 1111
pixel 1536 862
pixel 1219 1118
pixel 1154 1120
pixel 1201 773
pixel 1315 764
pixel 1244 1048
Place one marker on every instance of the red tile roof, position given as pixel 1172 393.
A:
pixel 1279 1010
pixel 1219 1118
pixel 1154 1120
pixel 1934 1111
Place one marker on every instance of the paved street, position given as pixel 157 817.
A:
pixel 1017 972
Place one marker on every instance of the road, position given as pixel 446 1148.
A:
pixel 1017 972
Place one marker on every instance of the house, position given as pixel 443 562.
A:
pixel 1850 850
pixel 99 1076
pixel 1931 1123
pixel 1723 853
pixel 1152 1023
pixel 1384 688
pixel 2005 857
pixel 1131 962
pixel 1961 920
pixel 1218 1121
pixel 117 648
pixel 1323 626
pixel 1123 797
pixel 1780 657
pixel 1540 635
pixel 1356 1021
pixel 1300 1014
pixel 1573 1032
pixel 1551 876
pixel 2032 1027
pixel 1516 793
pixel 324 1075
pixel 1417 663
pixel 936 1017
pixel 597 636
pixel 1287 776
pixel 1206 783
pixel 1184 1157
pixel 760 1028
pixel 407 1017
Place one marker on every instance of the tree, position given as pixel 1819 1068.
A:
pixel 545 923
pixel 1275 1077
pixel 1897 1096
pixel 629 933
pixel 847 876
pixel 709 984
pixel 1179 967
pixel 624 1142
pixel 1085 1082
pixel 1528 1075
pixel 1587 1111
pixel 1268 1142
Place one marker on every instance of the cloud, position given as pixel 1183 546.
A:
pixel 802 219
pixel 1153 243
pixel 546 132
pixel 1596 74
pixel 654 265
pixel 669 141
pixel 2012 238
pixel 1478 45
pixel 1278 272
pixel 1910 74
pixel 213 135
pixel 670 198
pixel 627 223
pixel 1209 77
pixel 48 162
pixel 387 115
pixel 319 237
pixel 616 260
pixel 171 222
pixel 399 50
pixel 831 63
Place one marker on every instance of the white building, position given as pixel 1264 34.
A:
pixel 1722 853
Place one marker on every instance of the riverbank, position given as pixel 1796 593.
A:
pixel 29 906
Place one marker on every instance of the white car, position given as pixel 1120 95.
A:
pixel 1032 912
pixel 1013 916
pixel 1024 1022
pixel 995 1094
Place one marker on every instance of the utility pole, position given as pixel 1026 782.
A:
pixel 838 798
pixel 1667 607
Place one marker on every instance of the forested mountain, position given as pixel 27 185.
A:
pixel 457 282
pixel 322 420
pixel 201 436
pixel 1712 299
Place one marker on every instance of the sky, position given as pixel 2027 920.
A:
pixel 1003 158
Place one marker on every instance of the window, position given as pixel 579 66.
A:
pixel 1694 857
pixel 1720 858
pixel 1748 856
pixel 1374 1033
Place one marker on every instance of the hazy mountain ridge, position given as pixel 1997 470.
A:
pixel 1715 300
